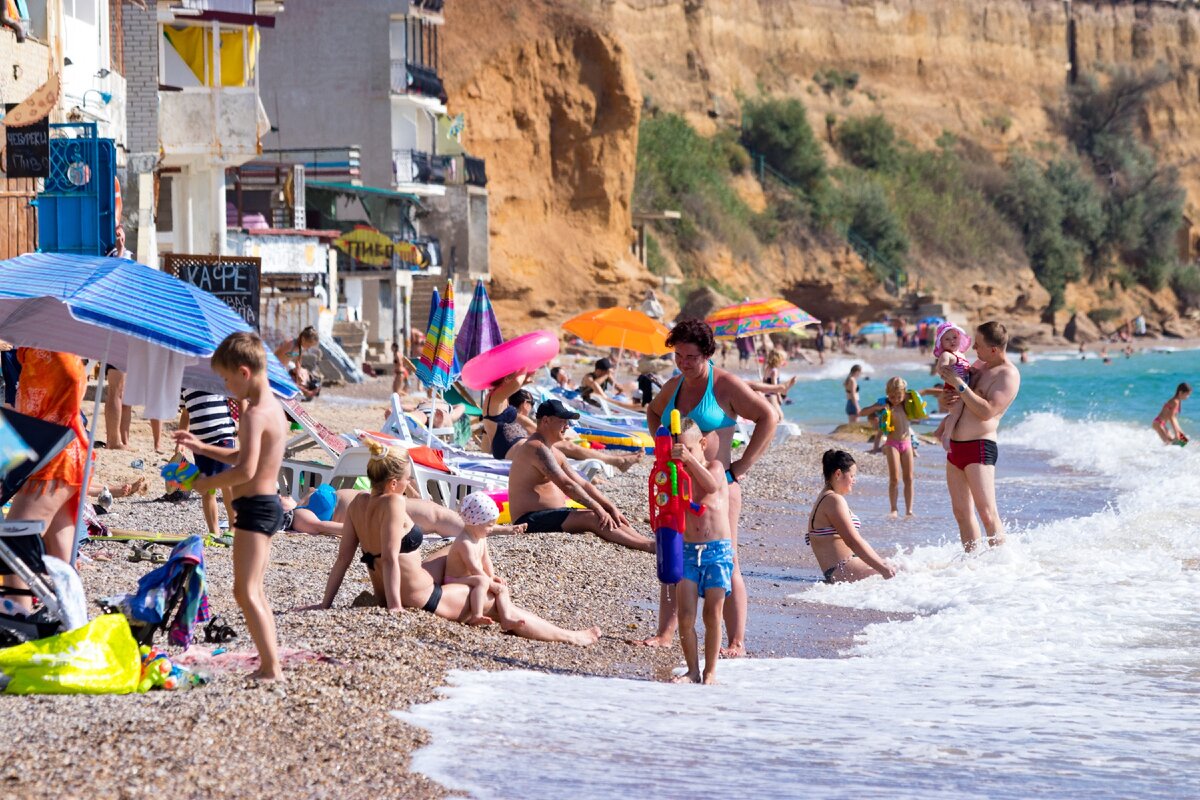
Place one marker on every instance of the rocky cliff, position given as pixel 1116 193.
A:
pixel 553 99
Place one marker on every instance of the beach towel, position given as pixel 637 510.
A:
pixel 148 604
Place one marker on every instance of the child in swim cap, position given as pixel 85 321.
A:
pixel 469 562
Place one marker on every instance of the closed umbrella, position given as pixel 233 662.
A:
pixel 480 330
pixel 438 367
pixel 753 317
pixel 622 328
pixel 118 312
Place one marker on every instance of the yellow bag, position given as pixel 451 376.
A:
pixel 99 658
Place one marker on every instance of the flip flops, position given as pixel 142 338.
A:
pixel 144 551
pixel 217 632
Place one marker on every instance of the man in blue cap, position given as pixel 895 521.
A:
pixel 541 483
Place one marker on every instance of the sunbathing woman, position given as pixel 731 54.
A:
pixel 833 529
pixel 379 523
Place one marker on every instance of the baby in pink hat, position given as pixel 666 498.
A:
pixel 949 344
pixel 469 562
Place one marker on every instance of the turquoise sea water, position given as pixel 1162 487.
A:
pixel 1066 664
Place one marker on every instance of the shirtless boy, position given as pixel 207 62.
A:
pixel 971 461
pixel 241 361
pixel 707 550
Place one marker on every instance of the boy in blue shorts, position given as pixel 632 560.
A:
pixel 707 551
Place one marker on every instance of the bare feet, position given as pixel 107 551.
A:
pixel 710 678
pixel 484 620
pixel 735 650
pixel 909 514
pixel 625 462
pixel 687 677
pixel 660 640
pixel 587 637
pixel 893 514
pixel 273 675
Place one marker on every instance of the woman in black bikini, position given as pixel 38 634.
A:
pixel 833 529
pixel 378 522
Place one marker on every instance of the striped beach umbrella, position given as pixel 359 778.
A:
pixel 480 330
pixel 772 315
pixel 875 329
pixel 437 367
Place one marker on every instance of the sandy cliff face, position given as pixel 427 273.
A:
pixel 552 103
pixel 553 97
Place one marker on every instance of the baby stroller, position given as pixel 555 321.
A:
pixel 51 583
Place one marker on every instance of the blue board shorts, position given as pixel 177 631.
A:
pixel 709 565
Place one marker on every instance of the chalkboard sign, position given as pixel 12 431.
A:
pixel 237 280
pixel 27 149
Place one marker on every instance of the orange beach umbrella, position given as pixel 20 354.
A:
pixel 622 328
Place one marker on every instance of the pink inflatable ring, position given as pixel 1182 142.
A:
pixel 527 353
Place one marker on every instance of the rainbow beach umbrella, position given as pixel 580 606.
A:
pixel 437 368
pixel 753 317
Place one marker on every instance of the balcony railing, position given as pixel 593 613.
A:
pixel 476 171
pixel 430 5
pixel 465 169
pixel 415 166
pixel 409 78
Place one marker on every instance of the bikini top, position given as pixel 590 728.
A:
pixel 409 544
pixel 829 530
pixel 708 414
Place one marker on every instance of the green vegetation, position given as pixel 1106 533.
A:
pixel 1103 208
pixel 778 130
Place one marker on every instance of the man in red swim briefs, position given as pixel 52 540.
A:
pixel 971 462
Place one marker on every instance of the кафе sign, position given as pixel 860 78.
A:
pixel 368 247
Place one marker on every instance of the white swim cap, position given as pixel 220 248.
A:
pixel 478 508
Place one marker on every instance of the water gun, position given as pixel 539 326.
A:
pixel 885 416
pixel 159 673
pixel 182 473
pixel 670 502
pixel 914 406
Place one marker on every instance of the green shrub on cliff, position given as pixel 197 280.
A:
pixel 679 169
pixel 868 142
pixel 1036 208
pixel 778 130
pixel 860 207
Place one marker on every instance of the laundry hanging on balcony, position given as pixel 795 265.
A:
pixel 239 52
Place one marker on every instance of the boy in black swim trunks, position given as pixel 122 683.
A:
pixel 241 361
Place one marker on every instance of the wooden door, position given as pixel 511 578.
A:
pixel 18 219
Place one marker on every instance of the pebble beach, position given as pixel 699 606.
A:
pixel 328 729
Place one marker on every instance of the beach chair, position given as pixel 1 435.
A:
pixel 299 470
pixel 445 488
pixel 22 555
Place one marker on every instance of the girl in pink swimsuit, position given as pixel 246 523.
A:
pixel 897 447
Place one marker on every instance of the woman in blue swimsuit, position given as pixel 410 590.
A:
pixel 714 398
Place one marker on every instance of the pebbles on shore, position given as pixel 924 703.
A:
pixel 326 731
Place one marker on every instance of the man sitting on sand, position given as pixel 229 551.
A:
pixel 540 483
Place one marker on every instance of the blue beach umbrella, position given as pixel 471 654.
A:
pixel 480 330
pixel 875 329
pixel 96 307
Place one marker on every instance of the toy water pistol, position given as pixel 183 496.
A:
pixel 159 673
pixel 670 502
pixel 181 473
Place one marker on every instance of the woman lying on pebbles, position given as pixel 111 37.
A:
pixel 833 529
pixel 379 523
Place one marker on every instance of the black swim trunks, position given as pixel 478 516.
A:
pixel 435 597
pixel 262 513
pixel 546 520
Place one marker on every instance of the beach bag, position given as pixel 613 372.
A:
pixel 99 658
pixel 914 406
